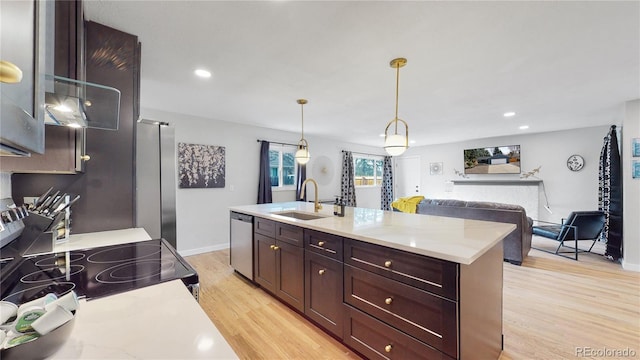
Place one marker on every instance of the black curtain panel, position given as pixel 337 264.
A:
pixel 610 194
pixel 264 181
pixel 348 187
pixel 386 196
pixel 300 178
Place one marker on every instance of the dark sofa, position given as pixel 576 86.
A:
pixel 516 245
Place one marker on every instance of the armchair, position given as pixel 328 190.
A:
pixel 578 226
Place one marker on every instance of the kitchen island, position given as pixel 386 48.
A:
pixel 385 283
pixel 158 321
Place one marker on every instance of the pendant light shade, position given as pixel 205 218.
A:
pixel 396 143
pixel 302 155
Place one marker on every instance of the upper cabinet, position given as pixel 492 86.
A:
pixel 64 146
pixel 23 30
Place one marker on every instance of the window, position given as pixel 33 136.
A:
pixel 282 166
pixel 368 170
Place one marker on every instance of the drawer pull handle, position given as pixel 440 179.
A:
pixel 388 348
pixel 388 301
pixel 321 271
pixel 271 247
pixel 320 243
pixel 274 247
pixel 387 263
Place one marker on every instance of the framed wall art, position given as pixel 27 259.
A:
pixel 635 147
pixel 200 166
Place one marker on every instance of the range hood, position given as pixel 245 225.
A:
pixel 75 103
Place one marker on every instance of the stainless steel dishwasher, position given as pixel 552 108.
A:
pixel 242 244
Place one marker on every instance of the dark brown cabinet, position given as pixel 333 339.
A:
pixel 427 317
pixel 264 261
pixel 279 264
pixel 377 340
pixel 107 187
pixel 382 302
pixel 290 274
pixel 323 292
pixel 428 306
pixel 64 146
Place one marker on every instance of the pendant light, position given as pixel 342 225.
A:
pixel 302 155
pixel 396 144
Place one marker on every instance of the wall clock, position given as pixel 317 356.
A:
pixel 575 162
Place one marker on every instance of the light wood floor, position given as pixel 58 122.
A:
pixel 553 308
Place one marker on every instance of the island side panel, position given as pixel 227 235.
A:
pixel 481 306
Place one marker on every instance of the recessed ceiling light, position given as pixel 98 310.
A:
pixel 524 127
pixel 203 73
pixel 509 114
pixel 381 135
pixel 412 141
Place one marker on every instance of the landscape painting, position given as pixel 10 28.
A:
pixel 492 160
pixel 201 166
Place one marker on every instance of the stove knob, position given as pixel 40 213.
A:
pixel 6 217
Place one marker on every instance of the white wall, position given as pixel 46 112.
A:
pixel 202 215
pixel 566 190
pixel 631 199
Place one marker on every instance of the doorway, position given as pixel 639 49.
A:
pixel 407 176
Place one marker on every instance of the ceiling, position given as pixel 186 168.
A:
pixel 558 65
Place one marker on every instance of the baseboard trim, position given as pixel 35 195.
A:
pixel 630 266
pixel 189 252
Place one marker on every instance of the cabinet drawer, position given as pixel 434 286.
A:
pixel 289 233
pixel 264 227
pixel 323 292
pixel 434 275
pixel 322 243
pixel 377 340
pixel 425 316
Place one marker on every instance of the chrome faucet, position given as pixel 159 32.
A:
pixel 316 204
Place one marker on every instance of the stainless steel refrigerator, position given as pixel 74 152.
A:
pixel 156 179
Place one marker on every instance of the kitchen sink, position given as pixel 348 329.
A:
pixel 299 215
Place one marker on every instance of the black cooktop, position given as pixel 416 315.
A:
pixel 96 272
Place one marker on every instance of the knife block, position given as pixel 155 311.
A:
pixel 35 237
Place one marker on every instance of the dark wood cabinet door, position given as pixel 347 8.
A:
pixel 322 243
pixel 323 292
pixel 290 274
pixel 427 273
pixel 60 141
pixel 107 187
pixel 264 227
pixel 59 156
pixel 377 340
pixel 291 234
pixel 264 262
pixel 427 317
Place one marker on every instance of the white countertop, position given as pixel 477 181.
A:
pixel 102 238
pixel 452 239
pixel 158 321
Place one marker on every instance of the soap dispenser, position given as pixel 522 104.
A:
pixel 341 208
pixel 336 207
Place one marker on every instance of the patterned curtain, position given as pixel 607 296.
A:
pixel 302 176
pixel 386 197
pixel 610 195
pixel 264 177
pixel 348 187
